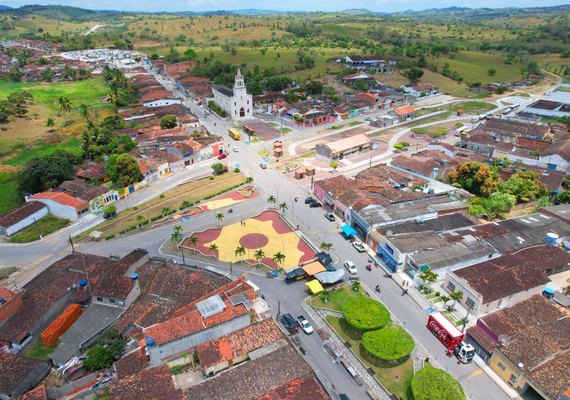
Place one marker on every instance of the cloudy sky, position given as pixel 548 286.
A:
pixel 290 5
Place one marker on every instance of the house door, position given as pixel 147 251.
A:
pixel 241 112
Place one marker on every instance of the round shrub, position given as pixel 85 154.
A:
pixel 432 383
pixel 392 344
pixel 365 314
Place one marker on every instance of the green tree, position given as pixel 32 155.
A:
pixel 271 199
pixel 214 248
pixel 499 204
pixel 524 190
pixel 428 276
pixel 283 207
pixel 491 71
pixel 314 87
pixel 334 165
pixel 84 112
pixel 431 383
pixel 475 177
pixel 193 240
pixel 220 217
pixel 218 168
pixel 414 74
pixel 455 296
pixel 47 75
pixel 365 314
pixel 113 122
pixel 355 285
pixel 166 211
pixel 46 172
pixel 326 246
pixel 98 358
pixel 64 105
pixel 140 220
pixel 360 85
pixel 239 252
pixel 168 121
pixel 176 234
pixel 562 198
pixel 445 299
pixel 259 255
pixel 126 171
pixel 50 124
pixel 279 258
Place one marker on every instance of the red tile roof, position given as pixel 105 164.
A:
pixel 405 110
pixel 238 343
pixel 38 393
pixel 155 383
pixel 61 198
pixel 115 284
pixel 20 213
pixel 17 371
pixel 132 363
pixel 297 389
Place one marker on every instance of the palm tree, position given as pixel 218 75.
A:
pixel 214 248
pixel 279 258
pixel 271 199
pixel 239 252
pixel 85 113
pixel 326 295
pixel 64 105
pixel 355 285
pixel 166 211
pixel 283 207
pixel 176 234
pixel 220 217
pixel 50 124
pixel 140 220
pixel 259 255
pixel 193 240
pixel 455 296
pixel 428 276
pixel 326 246
pixel 445 299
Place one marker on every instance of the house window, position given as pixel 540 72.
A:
pixel 512 380
pixel 470 303
pixel 99 299
pixel 501 366
pixel 451 286
pixel 112 301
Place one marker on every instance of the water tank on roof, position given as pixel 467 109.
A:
pixel 548 292
pixel 62 188
pixel 443 162
pixel 82 283
pixel 551 238
pixel 134 276
pixel 149 341
pixel 2 300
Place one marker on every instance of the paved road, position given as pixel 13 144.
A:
pixel 477 384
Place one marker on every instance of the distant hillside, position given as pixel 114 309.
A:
pixel 60 13
pixel 356 11
pixel 451 13
pixel 5 7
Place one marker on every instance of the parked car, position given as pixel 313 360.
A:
pixel 305 325
pixel 207 112
pixel 109 215
pixel 222 156
pixel 236 149
pixel 359 247
pixel 329 216
pixel 289 323
pixel 368 119
pixel 309 200
pixel 350 267
pixel 263 166
pixel 315 204
pixel 296 275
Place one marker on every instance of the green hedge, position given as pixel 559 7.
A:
pixel 391 343
pixel 366 314
pixel 433 383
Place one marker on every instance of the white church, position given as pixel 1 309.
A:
pixel 236 102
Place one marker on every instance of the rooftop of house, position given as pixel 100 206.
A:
pixel 422 163
pixel 297 389
pixel 61 198
pixel 83 190
pixel 422 87
pixel 411 242
pixel 553 375
pixel 19 373
pixel 395 212
pixel 545 105
pixel 515 233
pixel 238 343
pixel 514 128
pixel 92 171
pixel 115 284
pixel 255 378
pixel 348 143
pixel 155 383
pixel 39 393
pixel 164 290
pixel 454 253
pixel 562 212
pixel 405 110
pixel 440 224
pixel 179 68
pixel 561 148
pixel 190 80
pixel 513 272
pixel 20 213
pixel 132 363
pixel 383 172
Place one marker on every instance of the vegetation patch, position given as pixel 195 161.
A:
pixel 432 383
pixel 431 132
pixel 365 314
pixel 41 352
pixel 7 271
pixel 337 298
pixel 390 345
pixel 473 107
pixel 48 224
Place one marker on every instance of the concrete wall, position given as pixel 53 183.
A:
pixel 120 303
pixel 561 164
pixel 59 210
pixel 158 353
pixel 18 226
pixel 162 102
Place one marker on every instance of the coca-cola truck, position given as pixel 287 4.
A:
pixel 451 337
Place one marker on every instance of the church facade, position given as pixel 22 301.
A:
pixel 236 102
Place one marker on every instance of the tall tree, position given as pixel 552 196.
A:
pixel 193 240
pixel 176 234
pixel 283 207
pixel 259 255
pixel 214 248
pixel 64 105
pixel 239 252
pixel 279 258
pixel 127 170
pixel 220 217
pixel 475 177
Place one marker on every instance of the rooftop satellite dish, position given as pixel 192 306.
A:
pixel 388 233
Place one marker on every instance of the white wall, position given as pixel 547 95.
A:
pixel 18 226
pixel 162 102
pixel 59 210
pixel 561 164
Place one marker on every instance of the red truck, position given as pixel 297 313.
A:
pixel 451 337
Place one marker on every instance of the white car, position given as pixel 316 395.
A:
pixel 350 267
pixel 236 149
pixel 305 325
pixel 359 247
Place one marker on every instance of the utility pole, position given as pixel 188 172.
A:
pixel 183 259
pixel 71 242
pixel 38 228
pixel 231 269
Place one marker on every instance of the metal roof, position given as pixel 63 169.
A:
pixel 211 306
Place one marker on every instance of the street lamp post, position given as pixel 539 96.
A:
pixel 183 258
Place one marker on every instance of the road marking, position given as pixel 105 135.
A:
pixel 64 251
pixel 473 374
pixel 41 259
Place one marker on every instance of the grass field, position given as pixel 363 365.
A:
pixel 45 226
pixel 473 107
pixel 39 149
pixel 9 193
pixel 337 299
pixel 473 67
pixel 39 351
pixel 396 379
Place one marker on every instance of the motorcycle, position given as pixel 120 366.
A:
pixel 369 267
pixel 230 211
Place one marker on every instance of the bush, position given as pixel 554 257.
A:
pixel 177 369
pixel 432 383
pixel 391 343
pixel 366 314
pixel 109 237
pixel 98 358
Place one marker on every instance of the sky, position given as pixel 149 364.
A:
pixel 290 5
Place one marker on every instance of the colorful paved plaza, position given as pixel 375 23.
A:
pixel 266 232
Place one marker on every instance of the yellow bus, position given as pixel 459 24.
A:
pixel 234 134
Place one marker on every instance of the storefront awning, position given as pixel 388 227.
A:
pixel 313 268
pixel 384 254
pixel 348 230
pixel 315 286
